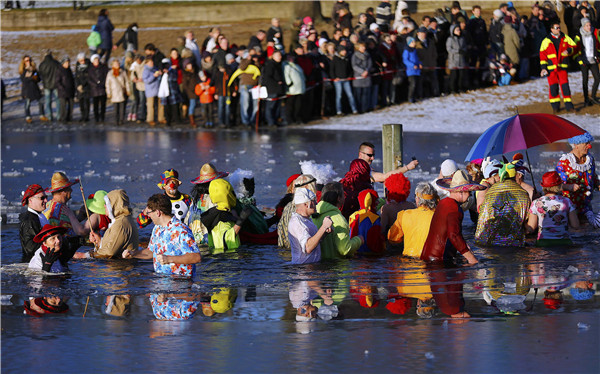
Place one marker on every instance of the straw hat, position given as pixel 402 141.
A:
pixel 95 203
pixel 208 173
pixel 59 182
pixel 459 182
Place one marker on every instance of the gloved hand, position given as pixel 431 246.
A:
pixel 244 214
pixel 49 258
pixel 593 219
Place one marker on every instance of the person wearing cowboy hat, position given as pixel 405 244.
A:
pixel 172 246
pixel 32 221
pixel 445 233
pixel 552 214
pixel 201 201
pixel 503 214
pixel 57 212
pixel 180 202
pixel 49 256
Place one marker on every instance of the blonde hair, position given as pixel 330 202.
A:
pixel 22 64
pixel 303 181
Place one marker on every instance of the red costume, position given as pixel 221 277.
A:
pixel 445 233
pixel 556 64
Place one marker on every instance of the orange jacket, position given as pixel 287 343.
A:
pixel 550 58
pixel 205 92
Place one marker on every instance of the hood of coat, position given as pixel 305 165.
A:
pixel 452 28
pixel 325 208
pixel 222 195
pixel 119 202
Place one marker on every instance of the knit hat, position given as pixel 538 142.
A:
pixel 374 27
pixel 31 191
pixel 410 40
pixel 448 168
pixel 303 195
pixel 65 59
pixel 584 21
pixel 583 138
pixel 166 175
pixel 498 14
pixel 94 57
pixel 59 182
pixel 48 231
pixel 80 56
pixel 228 57
pixel 95 202
pixel 307 20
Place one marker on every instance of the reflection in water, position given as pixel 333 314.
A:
pixel 174 307
pixel 118 305
pixel 40 306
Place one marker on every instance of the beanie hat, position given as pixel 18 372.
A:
pixel 409 40
pixel 374 27
pixel 449 167
pixel 498 14
pixel 80 56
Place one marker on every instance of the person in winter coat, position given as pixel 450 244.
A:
pixel 478 35
pixel 138 108
pixel 495 32
pixel 169 93
pixel 30 90
pixel 219 79
pixel 82 86
pixel 457 50
pixel 413 69
pixel 512 43
pixel 151 77
pixel 273 80
pixel 65 84
pixel 105 28
pixel 129 39
pixel 361 66
pixel 296 86
pixel 122 233
pixel 358 178
pixel 97 79
pixel 47 71
pixel 338 244
pixel 427 52
pixel 94 40
pixel 588 45
pixel 248 74
pixel 340 70
pixel 190 80
pixel 206 94
pixel 118 90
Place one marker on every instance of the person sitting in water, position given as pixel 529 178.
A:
pixel 366 152
pixel 445 233
pixel 122 233
pixel 303 234
pixel 552 214
pixel 304 181
pixel 99 220
pixel 503 213
pixel 367 223
pixel 49 256
pixel 338 244
pixel 31 221
pixel 222 221
pixel 180 202
pixel 397 188
pixel 172 247
pixel 577 169
pixel 412 225
pixel 57 212
pixel 201 201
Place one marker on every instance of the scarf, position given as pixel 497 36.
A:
pixel 116 72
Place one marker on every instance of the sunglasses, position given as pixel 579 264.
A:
pixel 556 27
pixel 368 154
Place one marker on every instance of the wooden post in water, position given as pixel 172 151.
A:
pixel 391 141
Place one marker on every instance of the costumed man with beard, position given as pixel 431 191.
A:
pixel 555 50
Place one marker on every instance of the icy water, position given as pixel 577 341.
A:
pixel 373 325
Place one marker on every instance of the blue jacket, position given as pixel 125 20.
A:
pixel 152 83
pixel 105 28
pixel 410 59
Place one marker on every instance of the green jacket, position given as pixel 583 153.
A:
pixel 338 243
pixel 94 40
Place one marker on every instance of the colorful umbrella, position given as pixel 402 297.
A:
pixel 520 132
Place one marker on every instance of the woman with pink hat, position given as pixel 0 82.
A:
pixel 552 214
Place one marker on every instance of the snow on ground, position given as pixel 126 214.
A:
pixel 471 112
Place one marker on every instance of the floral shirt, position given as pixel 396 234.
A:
pixel 173 309
pixel 175 239
pixel 553 216
pixel 582 174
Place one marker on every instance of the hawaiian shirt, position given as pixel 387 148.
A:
pixel 553 216
pixel 582 174
pixel 173 309
pixel 175 239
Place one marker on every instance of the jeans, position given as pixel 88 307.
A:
pixel 272 111
pixel 362 96
pixel 141 111
pixel 245 102
pixel 65 109
pixel 223 110
pixel 49 97
pixel 192 106
pixel 346 87
pixel 28 106
pixel 585 75
pixel 414 88
pixel 84 108
pixel 374 96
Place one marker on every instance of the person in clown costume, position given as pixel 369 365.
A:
pixel 578 173
pixel 367 223
pixel 180 202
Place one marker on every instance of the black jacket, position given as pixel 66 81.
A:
pixel 30 89
pixel 29 226
pixel 340 67
pixel 427 52
pixel 97 79
pixel 65 83
pixel 82 79
pixel 189 82
pixel 129 37
pixel 47 71
pixel 272 78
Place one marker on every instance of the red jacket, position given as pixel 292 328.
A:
pixel 550 58
pixel 205 92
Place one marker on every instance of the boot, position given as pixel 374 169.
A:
pixel 192 122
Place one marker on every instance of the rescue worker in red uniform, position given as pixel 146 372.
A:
pixel 554 51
